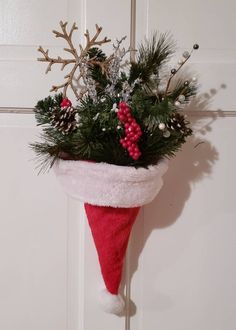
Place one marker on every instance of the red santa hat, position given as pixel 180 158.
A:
pixel 113 196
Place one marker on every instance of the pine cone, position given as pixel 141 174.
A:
pixel 64 119
pixel 178 122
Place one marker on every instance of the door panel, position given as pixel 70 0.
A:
pixel 182 271
pixel 185 277
pixel 33 236
pixel 209 23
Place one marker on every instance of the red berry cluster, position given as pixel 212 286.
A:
pixel 132 130
pixel 65 103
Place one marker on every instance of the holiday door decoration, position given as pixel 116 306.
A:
pixel 110 148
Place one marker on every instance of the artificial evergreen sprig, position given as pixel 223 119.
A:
pixel 96 128
pixel 152 55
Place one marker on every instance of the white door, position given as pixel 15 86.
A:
pixel 180 271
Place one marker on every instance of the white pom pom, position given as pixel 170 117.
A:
pixel 111 303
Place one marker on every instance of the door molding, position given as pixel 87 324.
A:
pixel 205 113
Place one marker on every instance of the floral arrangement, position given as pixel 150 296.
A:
pixel 127 113
pixel 110 148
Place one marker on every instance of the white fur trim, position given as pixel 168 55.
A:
pixel 110 185
pixel 111 303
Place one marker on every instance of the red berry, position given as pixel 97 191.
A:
pixel 132 130
pixel 65 103
pixel 130 149
pixel 122 105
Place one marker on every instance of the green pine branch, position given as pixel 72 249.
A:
pixel 151 56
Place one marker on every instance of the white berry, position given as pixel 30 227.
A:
pixel 166 134
pixel 181 98
pixel 186 54
pixel 177 103
pixel 162 126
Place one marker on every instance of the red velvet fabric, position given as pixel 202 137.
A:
pixel 111 229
